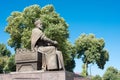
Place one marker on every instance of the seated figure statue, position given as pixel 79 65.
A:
pixel 52 59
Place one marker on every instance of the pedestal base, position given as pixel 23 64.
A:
pixel 38 75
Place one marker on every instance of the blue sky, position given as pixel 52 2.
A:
pixel 100 17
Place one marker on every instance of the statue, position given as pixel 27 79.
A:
pixel 52 59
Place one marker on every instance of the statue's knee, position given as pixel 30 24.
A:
pixel 52 48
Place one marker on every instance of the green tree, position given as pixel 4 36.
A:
pixel 118 75
pixel 4 56
pixel 91 50
pixel 20 25
pixel 97 77
pixel 10 64
pixel 3 60
pixel 111 74
pixel 4 51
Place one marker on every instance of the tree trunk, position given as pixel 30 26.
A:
pixel 86 69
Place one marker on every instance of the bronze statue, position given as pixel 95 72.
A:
pixel 52 59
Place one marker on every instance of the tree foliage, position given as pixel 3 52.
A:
pixel 10 64
pixel 97 77
pixel 4 51
pixel 91 50
pixel 20 25
pixel 5 59
pixel 111 74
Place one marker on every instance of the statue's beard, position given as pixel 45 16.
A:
pixel 40 27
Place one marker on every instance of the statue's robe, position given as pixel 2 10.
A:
pixel 52 59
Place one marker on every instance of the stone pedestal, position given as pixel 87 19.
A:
pixel 27 60
pixel 28 67
pixel 38 75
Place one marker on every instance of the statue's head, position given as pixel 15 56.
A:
pixel 38 24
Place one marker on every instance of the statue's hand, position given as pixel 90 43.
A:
pixel 55 42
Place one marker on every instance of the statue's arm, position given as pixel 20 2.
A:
pixel 44 38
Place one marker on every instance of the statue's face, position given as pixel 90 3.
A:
pixel 39 25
